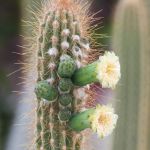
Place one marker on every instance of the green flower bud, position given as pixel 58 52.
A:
pixel 64 115
pixel 65 84
pixel 66 67
pixel 44 90
pixel 79 122
pixel 65 99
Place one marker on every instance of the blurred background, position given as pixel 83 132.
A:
pixel 126 23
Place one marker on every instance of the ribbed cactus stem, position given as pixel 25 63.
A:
pixel 63 138
pixel 130 42
pixel 54 141
pixel 45 134
pixel 78 143
pixel 38 101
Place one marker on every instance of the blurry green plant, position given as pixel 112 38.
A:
pixel 131 42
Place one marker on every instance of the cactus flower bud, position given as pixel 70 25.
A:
pixel 101 119
pixel 44 90
pixel 64 115
pixel 65 99
pixel 106 71
pixel 66 67
pixel 65 84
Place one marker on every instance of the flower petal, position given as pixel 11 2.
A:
pixel 104 120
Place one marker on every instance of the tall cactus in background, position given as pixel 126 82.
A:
pixel 61 49
pixel 130 41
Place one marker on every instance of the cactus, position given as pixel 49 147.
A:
pixel 131 44
pixel 61 51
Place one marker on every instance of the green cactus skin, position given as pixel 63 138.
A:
pixel 144 114
pixel 79 121
pixel 38 101
pixel 131 44
pixel 85 75
pixel 66 68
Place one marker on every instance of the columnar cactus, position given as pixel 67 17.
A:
pixel 62 53
pixel 131 42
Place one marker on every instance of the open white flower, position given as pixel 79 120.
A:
pixel 108 70
pixel 103 120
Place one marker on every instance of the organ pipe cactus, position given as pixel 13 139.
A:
pixel 131 42
pixel 62 52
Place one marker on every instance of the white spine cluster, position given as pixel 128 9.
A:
pixel 64 56
pixel 78 63
pixel 41 119
pixel 52 66
pixel 54 39
pixel 73 25
pixel 42 46
pixel 55 24
pixel 44 33
pixel 41 148
pixel 78 93
pixel 41 60
pixel 57 14
pixel 65 32
pixel 52 51
pixel 65 45
pixel 49 18
pixel 51 81
pixel 64 147
pixel 75 38
pixel 84 55
pixel 76 51
pixel 65 21
pixel 86 46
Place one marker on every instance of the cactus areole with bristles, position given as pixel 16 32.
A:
pixel 63 49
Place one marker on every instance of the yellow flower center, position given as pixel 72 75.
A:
pixel 104 121
pixel 110 71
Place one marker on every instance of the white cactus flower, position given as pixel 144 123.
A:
pixel 108 70
pixel 103 120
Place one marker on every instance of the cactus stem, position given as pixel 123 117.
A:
pixel 63 125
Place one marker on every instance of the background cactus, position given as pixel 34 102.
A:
pixel 130 42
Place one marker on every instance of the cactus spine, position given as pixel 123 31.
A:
pixel 131 43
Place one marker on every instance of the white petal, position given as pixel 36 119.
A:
pixel 104 84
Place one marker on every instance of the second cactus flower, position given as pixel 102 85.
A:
pixel 106 71
pixel 101 119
